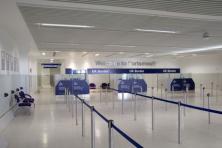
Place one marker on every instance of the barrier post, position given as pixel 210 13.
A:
pixel 113 99
pixel 92 127
pixel 72 101
pixel 184 101
pixel 166 98
pixel 217 86
pixel 135 107
pixel 201 86
pixel 76 111
pixel 203 96
pixel 83 118
pixel 212 88
pixel 152 110
pixel 69 105
pixel 208 104
pixel 172 92
pixel 65 96
pixel 100 95
pixel 161 91
pixel 110 123
pixel 122 101
pixel 179 119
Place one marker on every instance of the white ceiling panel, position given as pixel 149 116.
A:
pixel 116 29
pixel 203 7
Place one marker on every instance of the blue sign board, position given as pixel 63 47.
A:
pixel 50 65
pixel 60 87
pixel 132 85
pixel 132 71
pixel 180 84
pixel 76 86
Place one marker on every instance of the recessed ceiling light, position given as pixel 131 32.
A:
pixel 57 51
pixel 158 31
pixel 51 59
pixel 44 53
pixel 97 54
pixel 147 53
pixel 194 55
pixel 84 52
pixel 121 52
pixel 63 25
pixel 128 46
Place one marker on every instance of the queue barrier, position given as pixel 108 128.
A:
pixel 109 122
pixel 179 104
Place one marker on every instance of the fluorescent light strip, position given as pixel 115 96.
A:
pixel 64 25
pixel 199 49
pixel 120 46
pixel 158 31
pixel 59 43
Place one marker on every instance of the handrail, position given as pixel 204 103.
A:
pixel 176 102
pixel 128 138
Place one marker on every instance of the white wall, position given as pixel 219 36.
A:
pixel 16 40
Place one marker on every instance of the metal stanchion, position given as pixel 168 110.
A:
pixel 166 98
pixel 172 92
pixel 65 96
pixel 201 86
pixel 83 118
pixel 113 99
pixel 92 127
pixel 217 86
pixel 100 96
pixel 69 104
pixel 203 96
pixel 161 90
pixel 212 88
pixel 72 101
pixel 184 101
pixel 110 122
pixel 152 110
pixel 208 104
pixel 179 133
pixel 76 110
pixel 122 101
pixel 135 107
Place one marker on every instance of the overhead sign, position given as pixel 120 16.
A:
pixel 50 65
pixel 124 63
pixel 131 71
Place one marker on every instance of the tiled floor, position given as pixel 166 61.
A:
pixel 51 125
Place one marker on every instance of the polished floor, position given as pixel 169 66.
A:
pixel 51 125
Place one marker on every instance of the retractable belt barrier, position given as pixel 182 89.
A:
pixel 179 105
pixel 176 102
pixel 128 138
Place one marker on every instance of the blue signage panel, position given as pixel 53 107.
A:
pixel 61 85
pixel 131 71
pixel 181 84
pixel 132 85
pixel 76 86
pixel 80 87
pixel 50 65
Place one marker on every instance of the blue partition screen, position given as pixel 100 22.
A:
pixel 180 84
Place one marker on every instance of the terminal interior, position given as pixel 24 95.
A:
pixel 110 74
